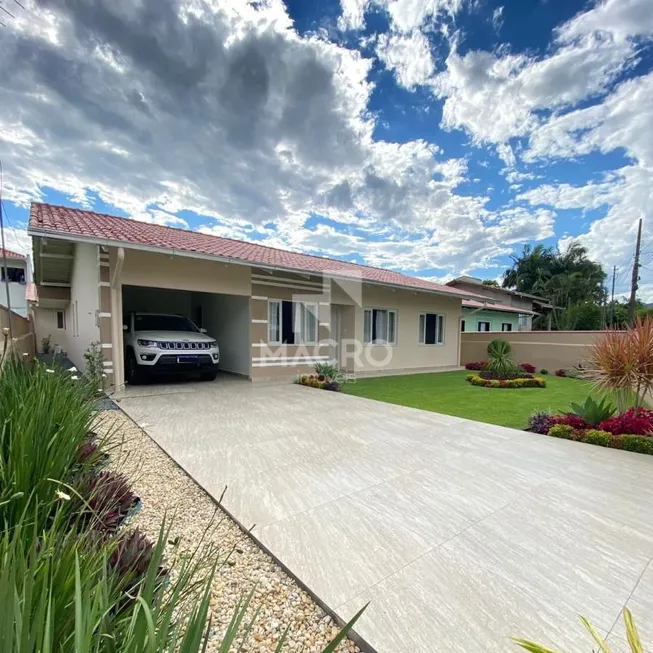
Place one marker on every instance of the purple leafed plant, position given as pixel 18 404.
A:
pixel 540 422
pixel 108 497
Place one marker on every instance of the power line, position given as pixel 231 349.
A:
pixel 7 11
pixel 4 258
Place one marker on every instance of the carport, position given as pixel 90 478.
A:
pixel 214 296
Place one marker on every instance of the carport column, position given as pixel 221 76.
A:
pixel 104 314
pixel 116 320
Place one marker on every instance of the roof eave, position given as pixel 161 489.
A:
pixel 107 242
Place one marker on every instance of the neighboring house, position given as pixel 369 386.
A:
pixel 502 309
pixel 274 313
pixel 17 274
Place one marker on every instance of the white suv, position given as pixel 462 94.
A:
pixel 161 343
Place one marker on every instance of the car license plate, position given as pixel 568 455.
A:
pixel 187 359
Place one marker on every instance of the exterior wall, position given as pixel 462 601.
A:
pixel 495 318
pixel 544 349
pixel 408 354
pixel 226 318
pixel 16 289
pixel 82 313
pixel 184 273
pixel 497 295
pixel 156 300
pixel 45 326
pixel 273 360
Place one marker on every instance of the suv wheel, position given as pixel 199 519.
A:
pixel 209 376
pixel 133 373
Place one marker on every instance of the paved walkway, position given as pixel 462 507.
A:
pixel 460 534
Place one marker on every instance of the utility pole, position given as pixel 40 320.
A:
pixel 635 277
pixel 4 267
pixel 614 276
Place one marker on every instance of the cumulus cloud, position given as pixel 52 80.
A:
pixel 408 57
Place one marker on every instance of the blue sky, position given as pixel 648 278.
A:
pixel 435 137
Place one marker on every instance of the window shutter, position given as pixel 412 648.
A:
pixel 422 327
pixel 367 326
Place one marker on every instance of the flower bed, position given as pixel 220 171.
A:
pixel 533 382
pixel 517 375
pixel 629 442
pixel 318 381
pixel 475 366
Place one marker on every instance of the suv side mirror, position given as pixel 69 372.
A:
pixel 125 327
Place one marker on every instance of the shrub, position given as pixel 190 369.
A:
pixel 527 367
pixel 106 498
pixel 635 421
pixel 498 348
pixel 327 370
pixel 561 372
pixel 561 431
pixel 544 371
pixel 478 365
pixel 46 345
pixel 514 375
pixel 475 379
pixel 540 422
pixel 622 362
pixel 593 412
pixel 500 364
pixel 94 357
pixel 637 443
pixel 570 419
pixel 595 436
pixel 333 386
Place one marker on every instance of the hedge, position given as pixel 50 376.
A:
pixel 535 382
pixel 636 443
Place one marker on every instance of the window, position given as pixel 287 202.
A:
pixel 431 329
pixel 462 325
pixel 483 326
pixel 380 326
pixel 14 274
pixel 524 321
pixel 61 320
pixel 292 323
pixel 506 326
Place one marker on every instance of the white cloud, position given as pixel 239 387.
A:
pixel 405 15
pixel 409 57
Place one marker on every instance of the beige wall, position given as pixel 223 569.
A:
pixel 23 335
pixel 408 354
pixel 45 325
pixel 544 349
pixel 184 273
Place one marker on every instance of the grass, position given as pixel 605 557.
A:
pixel 449 393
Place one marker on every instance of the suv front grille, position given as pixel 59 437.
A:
pixel 185 345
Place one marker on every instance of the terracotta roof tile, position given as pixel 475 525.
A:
pixel 76 222
pixel 504 308
pixel 11 254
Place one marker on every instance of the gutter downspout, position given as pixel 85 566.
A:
pixel 116 322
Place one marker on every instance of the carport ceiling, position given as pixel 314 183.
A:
pixel 53 262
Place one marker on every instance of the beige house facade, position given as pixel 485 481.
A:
pixel 271 318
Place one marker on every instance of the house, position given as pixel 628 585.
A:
pixel 500 309
pixel 275 313
pixel 17 276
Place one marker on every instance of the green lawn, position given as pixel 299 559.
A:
pixel 449 393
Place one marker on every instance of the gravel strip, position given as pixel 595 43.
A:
pixel 165 489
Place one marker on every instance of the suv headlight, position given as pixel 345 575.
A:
pixel 148 343
pixel 213 344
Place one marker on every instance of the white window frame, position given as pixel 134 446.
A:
pixel 367 337
pixel 63 320
pixel 489 326
pixel 305 309
pixel 439 330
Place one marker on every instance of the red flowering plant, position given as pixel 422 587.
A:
pixel 528 367
pixel 635 421
pixel 570 419
pixel 475 365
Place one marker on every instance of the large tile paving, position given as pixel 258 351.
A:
pixel 460 535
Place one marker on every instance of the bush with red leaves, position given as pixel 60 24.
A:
pixel 570 419
pixel 108 499
pixel 477 365
pixel 561 372
pixel 635 421
pixel 527 367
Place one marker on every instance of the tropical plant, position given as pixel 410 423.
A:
pixel 499 362
pixel 632 636
pixel 45 415
pixel 634 421
pixel 593 412
pixel 622 362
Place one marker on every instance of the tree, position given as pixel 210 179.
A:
pixel 491 282
pixel 568 280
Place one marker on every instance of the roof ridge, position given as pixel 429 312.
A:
pixel 233 240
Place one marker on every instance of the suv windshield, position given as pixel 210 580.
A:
pixel 163 323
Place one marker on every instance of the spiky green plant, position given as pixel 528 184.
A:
pixel 634 641
pixel 594 412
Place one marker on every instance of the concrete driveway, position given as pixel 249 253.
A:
pixel 460 534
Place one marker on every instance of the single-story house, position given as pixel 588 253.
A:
pixel 17 275
pixel 274 313
pixel 499 309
